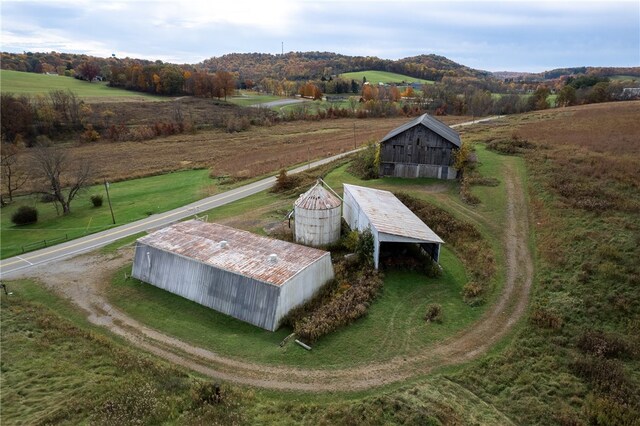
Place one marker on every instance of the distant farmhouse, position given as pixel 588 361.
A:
pixel 389 221
pixel 252 278
pixel 423 147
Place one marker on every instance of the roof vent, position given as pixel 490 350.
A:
pixel 224 244
pixel 273 258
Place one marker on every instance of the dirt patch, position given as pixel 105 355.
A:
pixel 84 280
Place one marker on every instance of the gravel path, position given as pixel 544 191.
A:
pixel 84 279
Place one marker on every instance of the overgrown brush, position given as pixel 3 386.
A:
pixel 341 302
pixel 514 145
pixel 434 313
pixel 366 163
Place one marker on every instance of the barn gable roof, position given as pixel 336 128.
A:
pixel 389 216
pixel 430 123
pixel 234 250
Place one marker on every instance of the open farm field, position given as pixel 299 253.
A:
pixel 568 354
pixel 248 98
pixel 240 155
pixel 27 83
pixel 582 164
pixel 375 77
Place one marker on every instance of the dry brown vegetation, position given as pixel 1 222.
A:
pixel 575 360
pixel 240 155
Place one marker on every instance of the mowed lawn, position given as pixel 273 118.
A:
pixel 27 83
pixel 375 77
pixel 132 200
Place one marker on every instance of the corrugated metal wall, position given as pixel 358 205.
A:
pixel 318 226
pixel 304 285
pixel 357 220
pixel 244 298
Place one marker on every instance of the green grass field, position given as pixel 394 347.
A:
pixel 375 77
pixel 27 83
pixel 132 200
pixel 248 98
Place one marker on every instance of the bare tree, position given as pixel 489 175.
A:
pixel 61 177
pixel 13 177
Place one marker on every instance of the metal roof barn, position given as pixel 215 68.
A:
pixel 317 217
pixel 252 278
pixel 388 219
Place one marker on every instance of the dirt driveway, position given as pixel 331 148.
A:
pixel 83 279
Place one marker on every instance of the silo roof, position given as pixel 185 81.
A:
pixel 234 250
pixel 317 198
pixel 388 215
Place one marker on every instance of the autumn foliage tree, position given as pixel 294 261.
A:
pixel 310 90
pixel 88 70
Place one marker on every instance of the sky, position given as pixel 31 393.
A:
pixel 490 35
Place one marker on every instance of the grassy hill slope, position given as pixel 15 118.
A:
pixel 375 77
pixel 26 83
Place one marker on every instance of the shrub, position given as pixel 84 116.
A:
pixel 340 303
pixel 515 145
pixel 471 290
pixel 546 319
pixel 365 247
pixel 434 313
pixel 96 200
pixel 25 215
pixel 285 182
pixel 366 162
pixel 605 345
pixel 47 198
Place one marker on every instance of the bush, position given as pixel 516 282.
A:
pixel 605 345
pixel 47 198
pixel 434 313
pixel 366 162
pixel 25 215
pixel 545 318
pixel 96 200
pixel 365 247
pixel 285 182
pixel 340 303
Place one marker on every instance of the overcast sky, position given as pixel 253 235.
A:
pixel 504 35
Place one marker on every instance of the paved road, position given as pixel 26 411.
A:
pixel 279 103
pixel 93 241
pixel 100 239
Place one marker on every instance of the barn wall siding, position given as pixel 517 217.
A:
pixel 243 298
pixel 303 286
pixel 417 152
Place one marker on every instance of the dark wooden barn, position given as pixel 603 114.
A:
pixel 423 147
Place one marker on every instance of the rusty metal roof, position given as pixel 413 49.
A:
pixel 235 250
pixel 317 198
pixel 430 123
pixel 388 215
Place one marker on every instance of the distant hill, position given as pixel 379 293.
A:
pixel 315 65
pixel 565 72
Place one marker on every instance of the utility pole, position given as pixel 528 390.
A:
pixel 106 187
pixel 355 146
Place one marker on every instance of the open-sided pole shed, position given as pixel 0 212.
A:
pixel 388 219
pixel 253 278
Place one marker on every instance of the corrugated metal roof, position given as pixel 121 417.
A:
pixel 244 253
pixel 317 198
pixel 430 123
pixel 389 216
